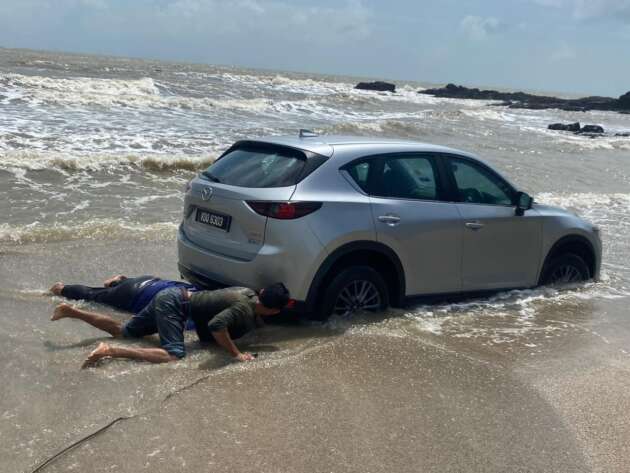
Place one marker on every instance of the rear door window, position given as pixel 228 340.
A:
pixel 408 177
pixel 398 176
pixel 259 167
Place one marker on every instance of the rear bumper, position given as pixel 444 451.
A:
pixel 290 261
pixel 199 280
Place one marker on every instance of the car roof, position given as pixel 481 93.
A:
pixel 327 145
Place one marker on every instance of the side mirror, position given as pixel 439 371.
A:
pixel 523 202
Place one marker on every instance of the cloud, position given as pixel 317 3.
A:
pixel 347 20
pixel 563 52
pixel 602 8
pixel 478 28
pixel 592 9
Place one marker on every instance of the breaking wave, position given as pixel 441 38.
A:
pixel 96 229
pixel 33 161
pixel 78 90
pixel 86 91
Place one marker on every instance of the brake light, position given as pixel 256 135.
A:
pixel 284 210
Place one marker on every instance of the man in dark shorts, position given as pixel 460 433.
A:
pixel 120 292
pixel 223 314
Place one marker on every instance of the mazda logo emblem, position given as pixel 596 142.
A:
pixel 206 193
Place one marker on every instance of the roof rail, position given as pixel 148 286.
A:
pixel 307 133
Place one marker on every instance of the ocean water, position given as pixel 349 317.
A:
pixel 94 147
pixel 94 156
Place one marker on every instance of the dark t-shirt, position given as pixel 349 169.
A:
pixel 231 308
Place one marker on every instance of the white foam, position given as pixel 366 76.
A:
pixel 80 89
pixel 94 229
pixel 87 91
pixel 19 161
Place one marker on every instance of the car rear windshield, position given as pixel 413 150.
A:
pixel 258 166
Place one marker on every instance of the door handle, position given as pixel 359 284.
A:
pixel 389 219
pixel 474 225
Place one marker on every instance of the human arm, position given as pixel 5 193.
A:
pixel 223 338
pixel 201 327
pixel 228 324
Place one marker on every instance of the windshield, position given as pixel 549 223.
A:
pixel 264 166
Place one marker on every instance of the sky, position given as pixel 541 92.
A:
pixel 574 46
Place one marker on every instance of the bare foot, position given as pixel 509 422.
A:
pixel 56 288
pixel 101 351
pixel 61 311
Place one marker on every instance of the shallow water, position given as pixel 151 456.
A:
pixel 94 155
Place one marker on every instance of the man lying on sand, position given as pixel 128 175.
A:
pixel 163 307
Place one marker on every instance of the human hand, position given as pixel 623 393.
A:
pixel 114 280
pixel 245 357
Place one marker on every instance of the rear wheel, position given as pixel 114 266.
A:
pixel 568 268
pixel 355 289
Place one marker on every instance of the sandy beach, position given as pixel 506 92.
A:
pixel 360 396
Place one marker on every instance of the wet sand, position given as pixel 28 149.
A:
pixel 343 397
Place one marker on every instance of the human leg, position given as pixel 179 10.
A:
pixel 165 315
pixel 104 350
pixel 170 319
pixel 100 321
pixel 120 295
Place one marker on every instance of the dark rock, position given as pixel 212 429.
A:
pixel 531 101
pixel 378 86
pixel 625 134
pixel 624 101
pixel 562 127
pixel 591 129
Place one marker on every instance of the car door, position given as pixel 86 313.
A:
pixel 500 248
pixel 410 216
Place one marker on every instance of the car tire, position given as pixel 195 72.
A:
pixel 358 288
pixel 567 268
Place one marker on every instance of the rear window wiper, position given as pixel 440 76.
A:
pixel 211 176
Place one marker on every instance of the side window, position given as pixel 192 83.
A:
pixel 406 177
pixel 360 173
pixel 476 185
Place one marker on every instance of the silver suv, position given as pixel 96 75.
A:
pixel 353 223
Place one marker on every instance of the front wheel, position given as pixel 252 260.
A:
pixel 356 289
pixel 568 268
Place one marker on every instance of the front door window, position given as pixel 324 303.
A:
pixel 476 185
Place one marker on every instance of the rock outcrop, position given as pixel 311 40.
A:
pixel 577 129
pixel 531 101
pixel 592 129
pixel 624 100
pixel 379 86
pixel 562 127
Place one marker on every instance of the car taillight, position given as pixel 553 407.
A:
pixel 284 210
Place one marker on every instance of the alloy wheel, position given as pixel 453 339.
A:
pixel 566 274
pixel 357 296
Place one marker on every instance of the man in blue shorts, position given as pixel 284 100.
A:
pixel 164 307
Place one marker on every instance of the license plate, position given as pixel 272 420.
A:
pixel 213 219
